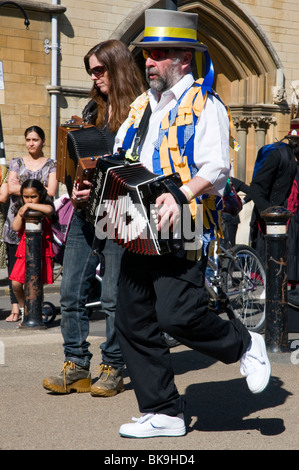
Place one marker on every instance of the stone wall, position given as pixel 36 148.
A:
pixel 26 98
pixel 26 71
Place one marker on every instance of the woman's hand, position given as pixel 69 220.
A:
pixel 81 196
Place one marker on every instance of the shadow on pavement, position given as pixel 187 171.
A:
pixel 224 406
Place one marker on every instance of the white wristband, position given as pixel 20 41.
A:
pixel 188 191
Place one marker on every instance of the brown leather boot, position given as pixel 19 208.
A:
pixel 72 378
pixel 109 383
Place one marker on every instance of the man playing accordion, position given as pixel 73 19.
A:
pixel 188 133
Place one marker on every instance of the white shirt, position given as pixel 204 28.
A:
pixel 211 140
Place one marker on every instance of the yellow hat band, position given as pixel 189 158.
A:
pixel 152 34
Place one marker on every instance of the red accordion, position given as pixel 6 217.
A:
pixel 121 205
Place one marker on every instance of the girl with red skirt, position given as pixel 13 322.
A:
pixel 33 197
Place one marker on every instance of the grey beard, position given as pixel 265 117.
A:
pixel 171 77
pixel 158 84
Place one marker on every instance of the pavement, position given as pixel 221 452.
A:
pixel 221 414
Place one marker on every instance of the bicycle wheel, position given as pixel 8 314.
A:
pixel 245 285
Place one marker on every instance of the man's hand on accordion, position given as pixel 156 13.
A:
pixel 81 196
pixel 168 212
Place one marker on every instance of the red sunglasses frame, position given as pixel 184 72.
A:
pixel 155 54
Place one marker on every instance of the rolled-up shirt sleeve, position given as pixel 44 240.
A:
pixel 211 144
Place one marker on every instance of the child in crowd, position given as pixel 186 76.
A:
pixel 34 196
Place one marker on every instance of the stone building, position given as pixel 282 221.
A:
pixel 253 44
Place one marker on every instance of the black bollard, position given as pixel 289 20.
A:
pixel 33 271
pixel 276 334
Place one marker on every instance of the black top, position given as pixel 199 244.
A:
pixel 272 184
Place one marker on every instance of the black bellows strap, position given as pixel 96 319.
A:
pixel 141 131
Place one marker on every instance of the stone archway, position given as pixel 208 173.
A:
pixel 248 72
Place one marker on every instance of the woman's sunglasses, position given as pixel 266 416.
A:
pixel 155 54
pixel 97 71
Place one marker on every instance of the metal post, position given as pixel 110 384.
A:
pixel 33 272
pixel 276 334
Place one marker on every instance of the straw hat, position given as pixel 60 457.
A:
pixel 170 29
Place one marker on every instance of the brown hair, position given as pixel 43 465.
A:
pixel 126 82
pixel 38 130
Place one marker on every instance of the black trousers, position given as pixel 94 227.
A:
pixel 166 294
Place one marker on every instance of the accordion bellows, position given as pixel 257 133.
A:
pixel 85 143
pixel 75 142
pixel 122 202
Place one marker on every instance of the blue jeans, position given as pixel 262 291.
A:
pixel 79 268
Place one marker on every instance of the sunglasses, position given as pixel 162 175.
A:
pixel 155 54
pixel 97 71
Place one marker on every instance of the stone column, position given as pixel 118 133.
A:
pixel 261 124
pixel 242 124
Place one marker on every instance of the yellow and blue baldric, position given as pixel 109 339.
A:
pixel 174 150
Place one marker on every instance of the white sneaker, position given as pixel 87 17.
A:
pixel 255 365
pixel 154 425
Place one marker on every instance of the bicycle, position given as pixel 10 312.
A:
pixel 238 286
